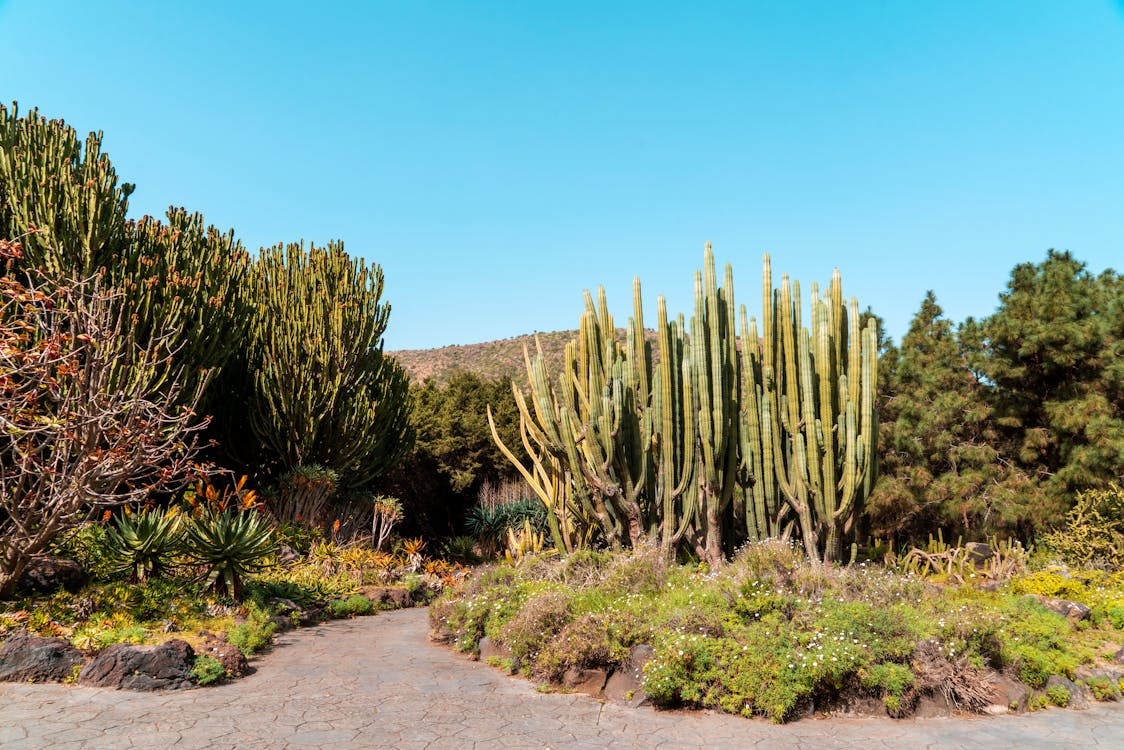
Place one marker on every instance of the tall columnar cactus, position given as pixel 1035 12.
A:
pixel 711 440
pixel 69 194
pixel 65 200
pixel 818 417
pixel 317 387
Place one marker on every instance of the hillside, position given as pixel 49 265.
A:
pixel 491 359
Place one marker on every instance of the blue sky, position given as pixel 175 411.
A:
pixel 498 158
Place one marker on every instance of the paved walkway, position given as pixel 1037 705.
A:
pixel 376 682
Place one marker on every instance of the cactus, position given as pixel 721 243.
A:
pixel 316 386
pixel 716 439
pixel 818 421
pixel 66 202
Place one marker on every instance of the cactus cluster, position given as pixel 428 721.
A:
pixel 63 199
pixel 719 434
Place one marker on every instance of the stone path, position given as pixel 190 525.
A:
pixel 376 682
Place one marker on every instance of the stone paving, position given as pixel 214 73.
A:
pixel 377 682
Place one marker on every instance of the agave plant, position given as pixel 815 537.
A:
pixel 143 545
pixel 230 544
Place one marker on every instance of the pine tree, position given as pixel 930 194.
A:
pixel 940 466
pixel 1051 357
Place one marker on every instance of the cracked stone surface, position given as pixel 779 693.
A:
pixel 377 682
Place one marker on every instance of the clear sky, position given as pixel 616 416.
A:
pixel 497 158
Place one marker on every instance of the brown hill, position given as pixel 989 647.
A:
pixel 491 359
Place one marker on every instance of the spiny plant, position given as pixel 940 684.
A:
pixel 142 545
pixel 724 433
pixel 230 544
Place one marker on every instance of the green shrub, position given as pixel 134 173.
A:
pixel 1103 689
pixel 353 605
pixel 254 634
pixel 1058 695
pixel 86 545
pixel 539 620
pixel 299 536
pixel 1094 530
pixel 207 670
pixel 460 549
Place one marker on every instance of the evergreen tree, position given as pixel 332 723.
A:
pixel 1051 358
pixel 940 466
pixel 453 454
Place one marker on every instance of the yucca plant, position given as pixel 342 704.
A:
pixel 143 545
pixel 230 544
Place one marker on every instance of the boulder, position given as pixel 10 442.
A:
pixel 46 575
pixel 225 653
pixel 627 681
pixel 931 706
pixel 588 681
pixel 388 597
pixel 1077 697
pixel 144 668
pixel 1008 694
pixel 1073 610
pixel 29 658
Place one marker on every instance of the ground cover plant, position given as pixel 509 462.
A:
pixel 210 567
pixel 770 634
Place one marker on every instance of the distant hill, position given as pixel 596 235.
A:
pixel 492 359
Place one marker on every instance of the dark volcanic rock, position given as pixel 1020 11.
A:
pixel 227 654
pixel 126 667
pixel 29 658
pixel 46 575
pixel 392 597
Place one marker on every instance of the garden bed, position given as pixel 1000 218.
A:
pixel 771 635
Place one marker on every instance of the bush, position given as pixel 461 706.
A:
pixel 207 670
pixel 352 605
pixel 254 634
pixel 143 544
pixel 230 544
pixel 1094 530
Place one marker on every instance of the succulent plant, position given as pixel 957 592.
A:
pixel 230 544
pixel 142 545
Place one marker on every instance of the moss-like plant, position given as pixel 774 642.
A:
pixel 207 670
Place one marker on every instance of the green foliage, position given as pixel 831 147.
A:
pixel 298 535
pixel 355 604
pixel 255 633
pixel 1094 530
pixel 490 524
pixel 1058 695
pixel 761 638
pixel 229 544
pixel 460 549
pixel 315 384
pixel 940 464
pixel 1103 688
pixel 177 276
pixel 1051 357
pixel 143 544
pixel 87 546
pixel 207 670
